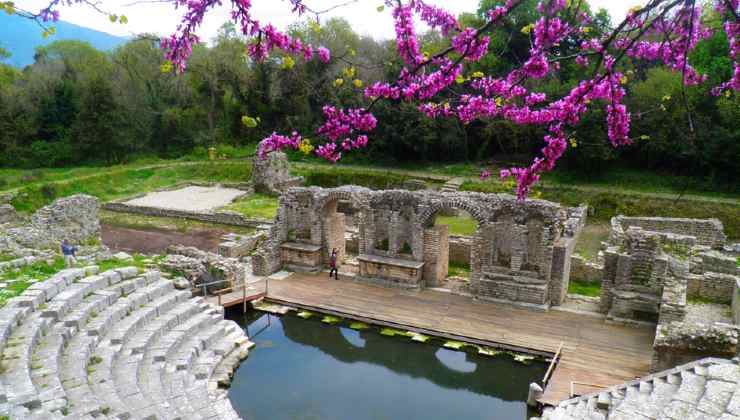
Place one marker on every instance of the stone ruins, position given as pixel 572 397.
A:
pixel 520 252
pixel 272 174
pixel 116 344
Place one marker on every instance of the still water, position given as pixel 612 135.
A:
pixel 305 369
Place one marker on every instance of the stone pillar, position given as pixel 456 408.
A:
pixel 607 283
pixel 436 255
pixel 518 247
pixel 535 392
pixel 334 225
pixel 393 231
pixel 271 175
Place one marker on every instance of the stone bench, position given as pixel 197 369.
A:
pixel 392 271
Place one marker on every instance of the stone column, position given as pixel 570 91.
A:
pixel 436 255
pixel 518 246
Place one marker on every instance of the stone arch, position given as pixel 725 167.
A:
pixel 328 227
pixel 436 206
pixel 433 247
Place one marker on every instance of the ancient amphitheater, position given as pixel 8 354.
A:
pixel 117 344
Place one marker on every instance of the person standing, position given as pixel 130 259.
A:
pixel 68 252
pixel 333 264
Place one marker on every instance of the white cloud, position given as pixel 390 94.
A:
pixel 163 19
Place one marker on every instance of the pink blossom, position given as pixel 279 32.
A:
pixel 324 54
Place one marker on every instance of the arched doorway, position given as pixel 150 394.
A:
pixel 341 227
pixel 451 238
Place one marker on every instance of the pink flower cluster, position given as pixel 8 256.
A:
pixel 178 47
pixel 653 33
pixel 436 17
pixel 277 142
pixel 469 44
pixel 406 43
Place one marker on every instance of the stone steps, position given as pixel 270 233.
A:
pixel 118 344
pixel 705 389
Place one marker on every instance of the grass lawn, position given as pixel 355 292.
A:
pixel 258 206
pixel 141 222
pixel 457 269
pixel 458 225
pixel 114 184
pixel 577 287
pixel 590 240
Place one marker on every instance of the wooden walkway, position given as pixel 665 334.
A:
pixel 593 352
pixel 238 296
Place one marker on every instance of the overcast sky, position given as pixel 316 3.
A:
pixel 163 19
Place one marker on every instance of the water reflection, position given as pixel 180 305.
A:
pixel 304 369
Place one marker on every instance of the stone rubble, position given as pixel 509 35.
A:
pixel 74 218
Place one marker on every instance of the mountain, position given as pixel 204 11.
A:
pixel 21 36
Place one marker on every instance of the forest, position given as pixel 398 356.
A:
pixel 76 105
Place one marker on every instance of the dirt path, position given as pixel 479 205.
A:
pixel 157 241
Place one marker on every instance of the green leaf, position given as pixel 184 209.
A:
pixel 123 20
pixel 113 18
pixel 330 319
pixel 305 314
pixel 455 345
pixel 359 326
pixel 249 121
pixel 380 8
pixel 288 63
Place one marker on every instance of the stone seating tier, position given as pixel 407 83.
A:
pixel 119 344
pixel 705 389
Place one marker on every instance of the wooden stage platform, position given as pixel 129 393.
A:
pixel 593 352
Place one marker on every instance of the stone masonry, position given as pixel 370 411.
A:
pixel 519 253
pixel 272 174
pixel 118 344
pixel 74 218
pixel 709 232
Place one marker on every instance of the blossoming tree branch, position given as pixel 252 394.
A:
pixel 661 31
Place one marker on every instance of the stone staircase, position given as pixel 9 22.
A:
pixel 118 344
pixel 702 390
pixel 452 185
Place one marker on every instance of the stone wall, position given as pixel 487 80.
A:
pixel 716 287
pixel 219 217
pixel 736 302
pixel 678 343
pixel 715 262
pixel 236 246
pixel 460 248
pixel 514 238
pixel 8 214
pixel 709 232
pixel 562 254
pixel 271 175
pixel 74 218
pixel 584 270
pixel 641 280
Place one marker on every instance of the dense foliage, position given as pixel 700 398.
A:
pixel 78 105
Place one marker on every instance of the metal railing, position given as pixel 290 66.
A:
pixel 550 368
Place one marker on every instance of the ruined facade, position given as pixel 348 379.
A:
pixel 642 280
pixel 520 251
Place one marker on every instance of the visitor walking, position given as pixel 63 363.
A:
pixel 68 252
pixel 333 264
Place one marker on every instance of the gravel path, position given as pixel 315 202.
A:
pixel 189 198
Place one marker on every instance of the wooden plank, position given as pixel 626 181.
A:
pixel 593 351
